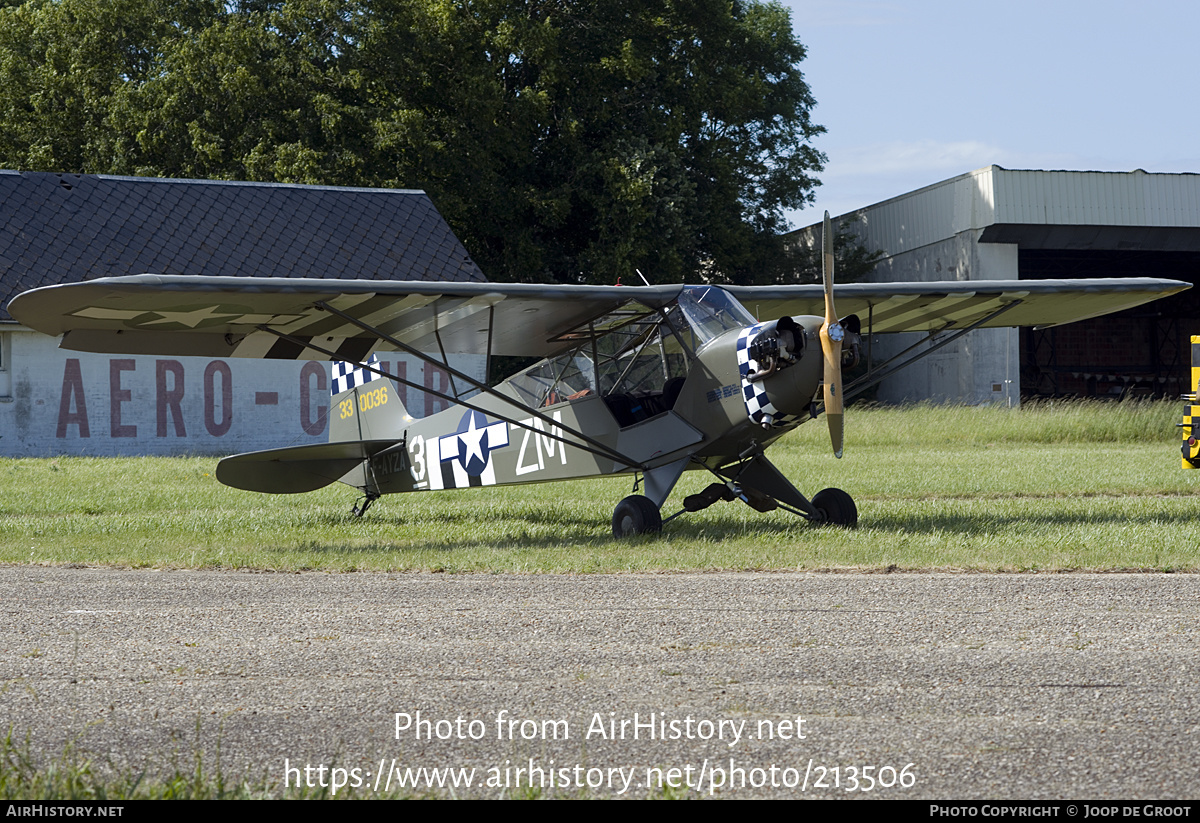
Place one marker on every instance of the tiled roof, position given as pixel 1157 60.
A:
pixel 63 228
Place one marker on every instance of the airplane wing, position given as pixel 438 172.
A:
pixel 957 304
pixel 279 318
pixel 245 316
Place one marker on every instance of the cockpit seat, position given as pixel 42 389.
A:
pixel 629 409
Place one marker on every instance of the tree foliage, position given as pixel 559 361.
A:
pixel 852 261
pixel 561 140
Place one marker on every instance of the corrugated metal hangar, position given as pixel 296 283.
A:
pixel 1001 224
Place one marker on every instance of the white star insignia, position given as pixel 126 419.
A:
pixel 191 319
pixel 472 438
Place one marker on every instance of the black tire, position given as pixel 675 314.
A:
pixel 636 515
pixel 836 507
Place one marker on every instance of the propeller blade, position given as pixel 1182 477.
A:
pixel 831 345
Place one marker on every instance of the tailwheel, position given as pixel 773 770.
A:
pixel 836 508
pixel 636 515
pixel 363 503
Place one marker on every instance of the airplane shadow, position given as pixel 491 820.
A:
pixel 554 529
pixel 455 517
pixel 980 524
pixel 567 531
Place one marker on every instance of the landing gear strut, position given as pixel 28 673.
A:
pixel 754 481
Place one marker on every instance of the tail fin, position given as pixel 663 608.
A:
pixel 366 406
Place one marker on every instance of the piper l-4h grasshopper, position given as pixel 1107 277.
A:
pixel 649 381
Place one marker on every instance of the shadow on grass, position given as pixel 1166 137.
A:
pixel 543 529
pixel 547 529
pixel 465 517
pixel 990 524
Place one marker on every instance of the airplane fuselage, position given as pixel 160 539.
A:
pixel 709 421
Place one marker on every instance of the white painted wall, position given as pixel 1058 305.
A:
pixel 54 401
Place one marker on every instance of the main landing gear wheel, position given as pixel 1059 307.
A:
pixel 837 508
pixel 636 515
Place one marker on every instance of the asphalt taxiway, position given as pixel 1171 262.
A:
pixel 1019 686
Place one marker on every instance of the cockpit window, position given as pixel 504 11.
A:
pixel 632 351
pixel 712 311
pixel 635 352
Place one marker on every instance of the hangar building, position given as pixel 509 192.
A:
pixel 1002 224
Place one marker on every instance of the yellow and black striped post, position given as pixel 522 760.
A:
pixel 1191 438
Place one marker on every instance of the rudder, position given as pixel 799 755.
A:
pixel 365 405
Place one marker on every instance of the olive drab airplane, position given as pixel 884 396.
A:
pixel 648 381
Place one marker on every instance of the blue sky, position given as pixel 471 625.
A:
pixel 915 92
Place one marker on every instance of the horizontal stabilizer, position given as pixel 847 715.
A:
pixel 297 469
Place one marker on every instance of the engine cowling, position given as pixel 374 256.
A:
pixel 778 373
pixel 781 367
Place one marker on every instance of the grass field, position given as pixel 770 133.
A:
pixel 1049 487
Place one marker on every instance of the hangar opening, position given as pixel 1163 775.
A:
pixel 1001 224
pixel 1142 352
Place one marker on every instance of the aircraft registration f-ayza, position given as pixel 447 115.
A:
pixel 644 380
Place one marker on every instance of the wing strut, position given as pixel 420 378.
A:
pixel 603 450
pixel 872 377
pixel 596 448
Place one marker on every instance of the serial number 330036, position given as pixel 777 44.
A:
pixel 367 400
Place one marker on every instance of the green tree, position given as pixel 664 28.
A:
pixel 256 91
pixel 562 141
pixel 852 260
pixel 65 70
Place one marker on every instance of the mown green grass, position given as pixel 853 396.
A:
pixel 72 775
pixel 77 775
pixel 1048 487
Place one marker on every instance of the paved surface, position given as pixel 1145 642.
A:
pixel 990 686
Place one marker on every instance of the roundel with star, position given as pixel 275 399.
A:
pixel 476 440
